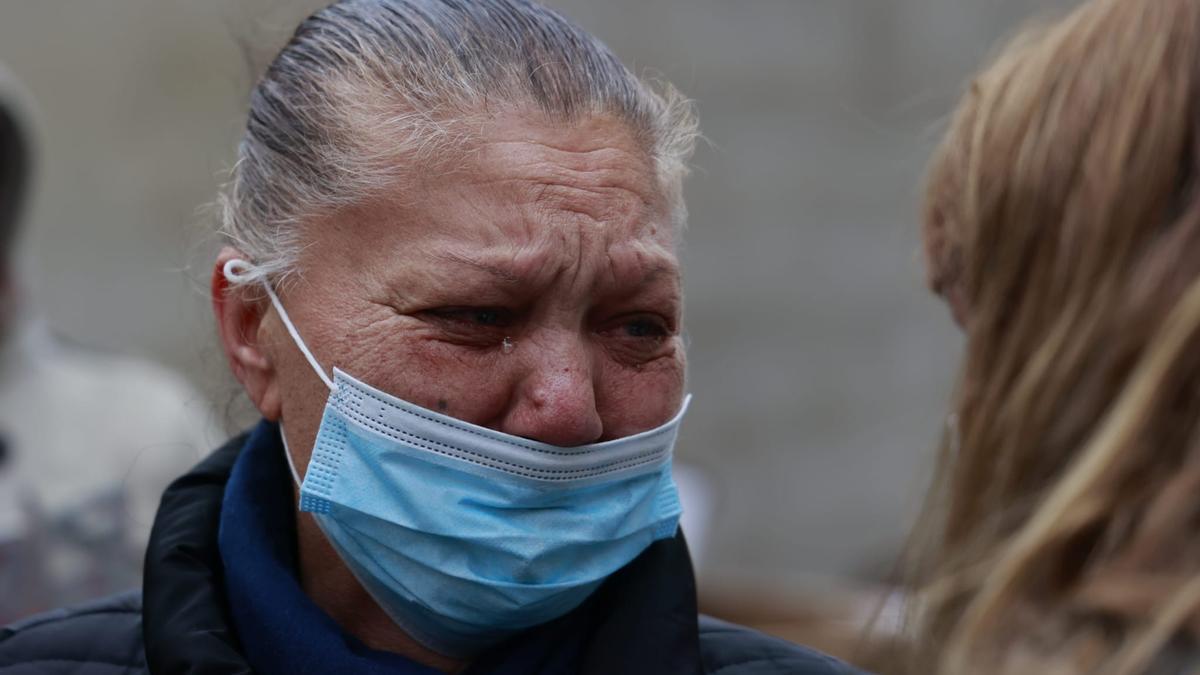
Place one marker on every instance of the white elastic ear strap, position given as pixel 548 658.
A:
pixel 236 271
pixel 287 452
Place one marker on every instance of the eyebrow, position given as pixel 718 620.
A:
pixel 657 270
pixel 505 275
pixel 652 273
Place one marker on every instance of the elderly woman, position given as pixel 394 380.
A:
pixel 450 286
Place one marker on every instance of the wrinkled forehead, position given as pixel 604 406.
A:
pixel 533 191
pixel 594 168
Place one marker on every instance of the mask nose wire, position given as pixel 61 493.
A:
pixel 237 271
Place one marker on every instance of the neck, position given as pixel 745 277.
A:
pixel 335 590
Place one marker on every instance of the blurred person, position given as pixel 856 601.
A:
pixel 450 286
pixel 88 441
pixel 1062 226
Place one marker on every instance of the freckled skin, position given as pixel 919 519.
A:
pixel 555 237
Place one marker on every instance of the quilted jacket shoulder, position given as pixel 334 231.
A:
pixel 99 638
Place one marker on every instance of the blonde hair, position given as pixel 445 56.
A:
pixel 1062 532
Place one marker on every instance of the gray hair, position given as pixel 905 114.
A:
pixel 366 88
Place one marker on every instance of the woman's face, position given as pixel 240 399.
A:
pixel 534 290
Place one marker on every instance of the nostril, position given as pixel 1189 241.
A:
pixel 564 419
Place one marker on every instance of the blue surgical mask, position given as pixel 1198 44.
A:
pixel 465 535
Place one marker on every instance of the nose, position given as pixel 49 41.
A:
pixel 555 400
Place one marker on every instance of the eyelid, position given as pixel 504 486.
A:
pixel 465 315
pixel 456 311
pixel 669 325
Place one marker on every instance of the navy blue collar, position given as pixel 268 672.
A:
pixel 281 630
pixel 641 620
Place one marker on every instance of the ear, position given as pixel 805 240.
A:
pixel 239 312
pixel 943 265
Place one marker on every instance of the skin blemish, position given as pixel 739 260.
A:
pixel 443 405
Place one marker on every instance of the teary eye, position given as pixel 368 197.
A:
pixel 637 338
pixel 640 332
pixel 645 327
pixel 488 317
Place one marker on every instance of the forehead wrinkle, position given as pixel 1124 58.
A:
pixel 593 171
pixel 608 205
pixel 508 263
pixel 581 147
pixel 506 276
pixel 536 206
pixel 592 165
pixel 611 187
pixel 582 259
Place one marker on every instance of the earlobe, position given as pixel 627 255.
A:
pixel 239 313
pixel 943 265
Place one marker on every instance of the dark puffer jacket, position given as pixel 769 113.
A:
pixel 181 623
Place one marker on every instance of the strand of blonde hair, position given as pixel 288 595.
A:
pixel 1075 501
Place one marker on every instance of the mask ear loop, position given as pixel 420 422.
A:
pixel 237 271
pixel 287 453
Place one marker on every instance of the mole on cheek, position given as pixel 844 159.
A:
pixel 443 405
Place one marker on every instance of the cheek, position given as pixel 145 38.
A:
pixel 471 385
pixel 635 399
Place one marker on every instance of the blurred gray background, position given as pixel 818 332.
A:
pixel 820 365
